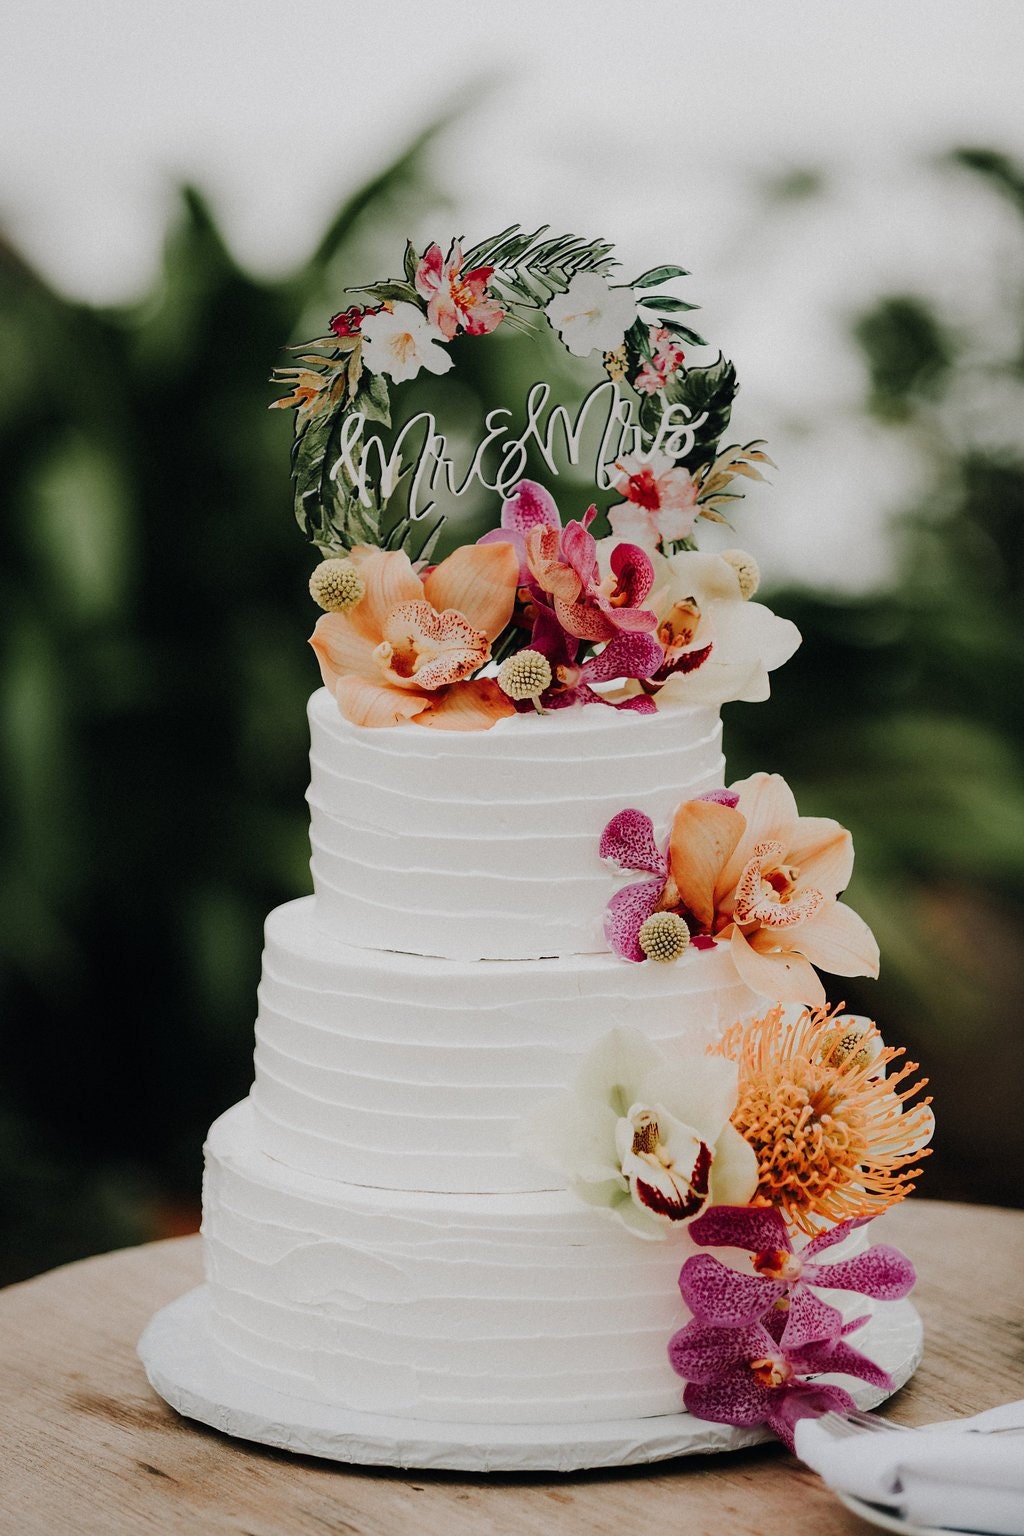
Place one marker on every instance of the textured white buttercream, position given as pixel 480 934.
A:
pixel 524 1308
pixel 508 1309
pixel 409 1072
pixel 484 844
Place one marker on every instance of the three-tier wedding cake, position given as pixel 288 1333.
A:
pixel 506 1097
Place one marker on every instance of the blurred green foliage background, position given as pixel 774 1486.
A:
pixel 153 738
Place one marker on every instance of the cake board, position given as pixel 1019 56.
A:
pixel 185 1367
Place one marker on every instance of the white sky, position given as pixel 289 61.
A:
pixel 650 123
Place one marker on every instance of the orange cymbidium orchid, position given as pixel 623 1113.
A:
pixel 777 897
pixel 744 867
pixel 407 650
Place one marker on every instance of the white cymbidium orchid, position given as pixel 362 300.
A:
pixel 719 645
pixel 646 1135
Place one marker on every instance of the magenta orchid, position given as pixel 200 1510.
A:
pixel 530 506
pixel 758 1373
pixel 626 656
pixel 724 1298
pixel 628 841
pixel 559 567
pixel 456 298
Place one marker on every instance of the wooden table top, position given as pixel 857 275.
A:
pixel 89 1450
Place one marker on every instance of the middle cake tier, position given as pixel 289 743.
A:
pixel 410 1072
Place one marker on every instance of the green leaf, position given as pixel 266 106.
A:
pixel 308 450
pixel 711 390
pixel 373 399
pixel 362 524
pixel 391 292
pixel 638 339
pixel 666 303
pixel 509 253
pixel 412 261
pixel 658 275
pixel 482 254
pixel 532 269
pixel 684 333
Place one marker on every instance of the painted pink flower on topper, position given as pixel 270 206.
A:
pixel 725 1298
pixel 661 500
pixel 456 298
pixel 758 1373
pixel 559 566
pixel 666 357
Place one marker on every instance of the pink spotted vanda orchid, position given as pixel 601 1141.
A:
pixel 763 1372
pixel 723 1297
pixel 559 568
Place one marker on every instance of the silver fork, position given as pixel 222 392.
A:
pixel 856 1422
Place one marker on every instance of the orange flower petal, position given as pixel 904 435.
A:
pixel 376 705
pixel 751 905
pixel 478 581
pixel 822 850
pixel 779 975
pixel 425 649
pixel 390 580
pixel 838 941
pixel 341 650
pixel 704 835
pixel 767 802
pixel 472 706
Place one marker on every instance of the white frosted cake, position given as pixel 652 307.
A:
pixel 374 1233
pixel 550 1026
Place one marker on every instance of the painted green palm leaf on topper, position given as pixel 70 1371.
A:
pixel 341 385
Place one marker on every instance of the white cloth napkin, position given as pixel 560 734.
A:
pixel 961 1475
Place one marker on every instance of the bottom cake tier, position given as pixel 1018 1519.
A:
pixel 496 1309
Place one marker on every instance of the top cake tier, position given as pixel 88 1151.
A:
pixel 483 845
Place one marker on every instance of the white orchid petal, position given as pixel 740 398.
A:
pixel 733 1169
pixel 696 1091
pixel 620 1060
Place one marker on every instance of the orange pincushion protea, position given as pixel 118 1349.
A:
pixel 832 1133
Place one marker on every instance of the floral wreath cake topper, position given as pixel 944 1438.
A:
pixel 672 416
pixel 556 615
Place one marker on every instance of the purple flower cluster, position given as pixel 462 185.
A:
pixel 628 842
pixel 757 1342
pixel 574 607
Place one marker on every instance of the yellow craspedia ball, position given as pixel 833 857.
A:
pixel 524 675
pixel 664 936
pixel 336 585
pixel 747 570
